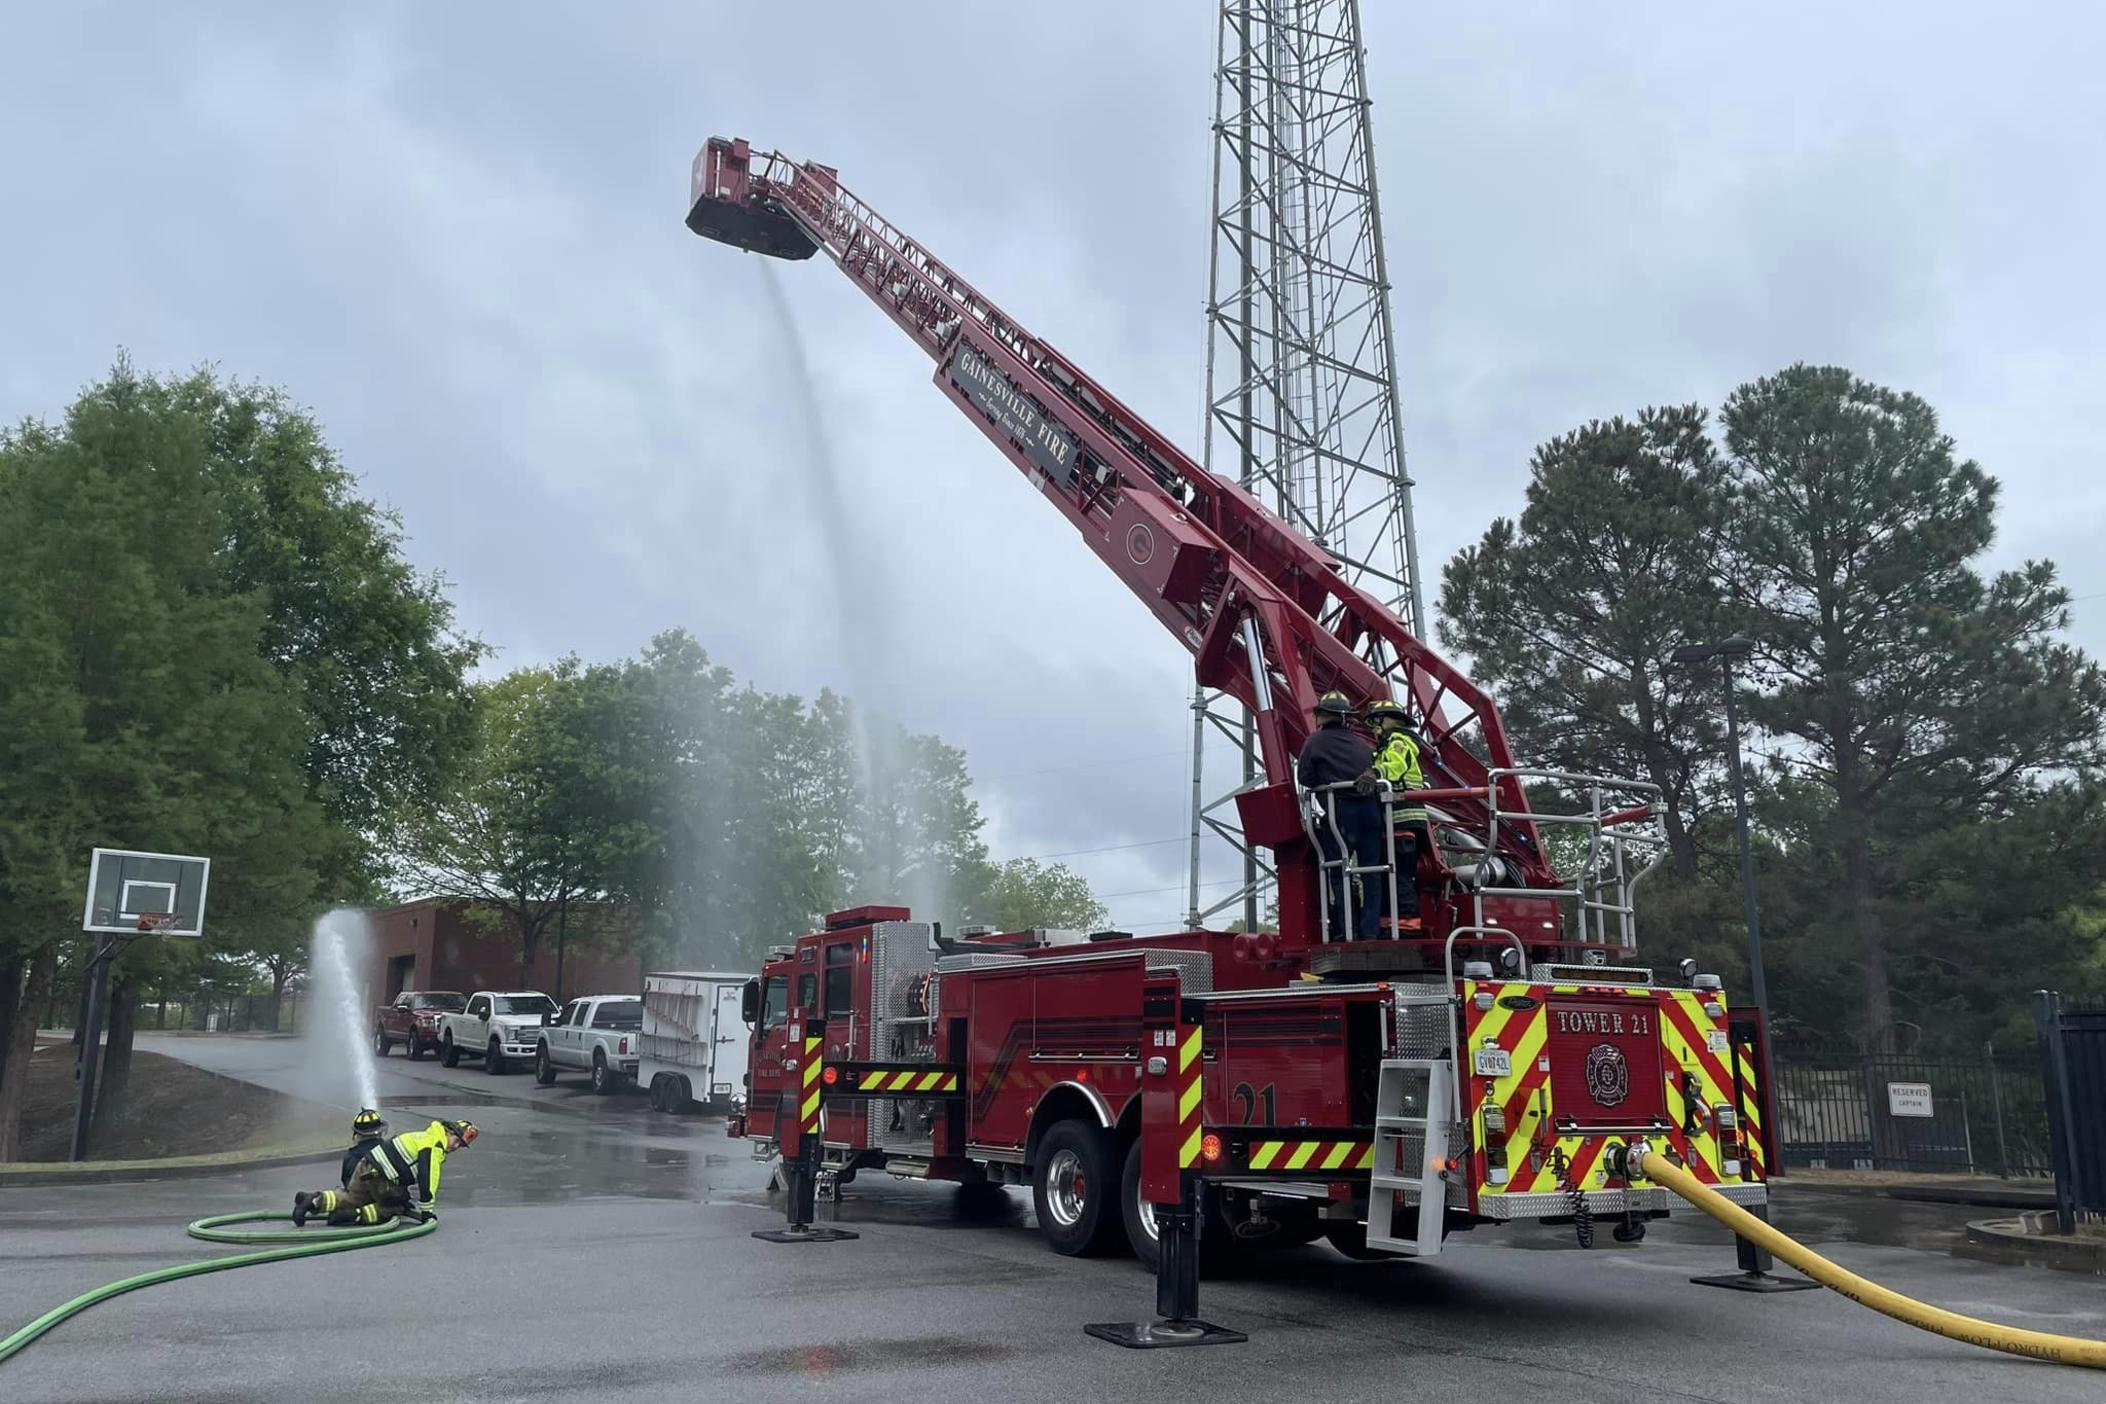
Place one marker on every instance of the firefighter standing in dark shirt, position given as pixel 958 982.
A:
pixel 1337 754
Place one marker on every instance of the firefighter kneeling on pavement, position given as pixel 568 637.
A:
pixel 396 1178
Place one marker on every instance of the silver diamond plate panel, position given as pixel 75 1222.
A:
pixel 1422 1023
pixel 1559 1205
pixel 1195 969
pixel 1563 974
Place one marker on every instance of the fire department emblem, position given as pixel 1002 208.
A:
pixel 1608 1075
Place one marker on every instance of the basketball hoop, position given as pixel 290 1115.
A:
pixel 156 921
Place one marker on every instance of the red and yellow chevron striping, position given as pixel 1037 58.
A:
pixel 1190 1067
pixel 907 1080
pixel 1518 1102
pixel 814 1063
pixel 1312 1155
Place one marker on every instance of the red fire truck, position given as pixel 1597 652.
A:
pixel 1272 1087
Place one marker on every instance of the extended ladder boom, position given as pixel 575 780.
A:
pixel 1268 615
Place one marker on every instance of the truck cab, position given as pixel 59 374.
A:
pixel 496 1026
pixel 597 1035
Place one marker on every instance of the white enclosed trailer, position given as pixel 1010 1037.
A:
pixel 694 1039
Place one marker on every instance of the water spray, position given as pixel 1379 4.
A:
pixel 338 1060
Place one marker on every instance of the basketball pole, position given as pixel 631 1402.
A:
pixel 91 1040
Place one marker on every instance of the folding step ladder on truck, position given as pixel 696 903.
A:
pixel 1219 1089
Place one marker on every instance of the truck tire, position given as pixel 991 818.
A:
pixel 603 1077
pixel 658 1093
pixel 681 1095
pixel 1073 1185
pixel 1218 1246
pixel 380 1042
pixel 494 1059
pixel 417 1050
pixel 1350 1239
pixel 448 1054
pixel 544 1070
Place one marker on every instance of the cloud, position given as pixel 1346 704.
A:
pixel 455 232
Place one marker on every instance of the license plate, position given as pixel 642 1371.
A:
pixel 1494 1062
pixel 1715 1040
pixel 720 1089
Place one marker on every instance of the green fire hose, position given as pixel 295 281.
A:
pixel 299 1243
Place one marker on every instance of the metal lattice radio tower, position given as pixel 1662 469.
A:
pixel 1301 352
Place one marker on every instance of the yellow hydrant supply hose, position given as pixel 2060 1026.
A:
pixel 2013 1340
pixel 299 1243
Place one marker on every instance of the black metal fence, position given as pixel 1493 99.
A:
pixel 1980 1116
pixel 2073 1052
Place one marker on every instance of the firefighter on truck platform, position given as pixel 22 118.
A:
pixel 398 1178
pixel 1337 754
pixel 1397 749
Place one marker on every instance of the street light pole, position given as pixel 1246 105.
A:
pixel 1725 651
pixel 1747 848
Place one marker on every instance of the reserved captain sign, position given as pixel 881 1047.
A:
pixel 1014 413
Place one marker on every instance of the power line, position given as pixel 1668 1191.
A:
pixel 1078 765
pixel 1108 848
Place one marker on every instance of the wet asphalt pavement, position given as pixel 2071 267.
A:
pixel 592 1249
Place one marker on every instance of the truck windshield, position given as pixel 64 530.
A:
pixel 524 1004
pixel 448 1003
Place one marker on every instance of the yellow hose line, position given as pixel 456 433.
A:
pixel 2038 1345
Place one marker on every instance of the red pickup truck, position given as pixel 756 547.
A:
pixel 413 1021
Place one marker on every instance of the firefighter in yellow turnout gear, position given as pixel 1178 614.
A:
pixel 1397 751
pixel 397 1178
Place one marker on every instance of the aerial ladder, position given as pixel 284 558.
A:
pixel 1267 615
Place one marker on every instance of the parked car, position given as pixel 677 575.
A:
pixel 695 1040
pixel 413 1021
pixel 595 1034
pixel 496 1025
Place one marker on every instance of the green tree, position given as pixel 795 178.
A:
pixel 1571 612
pixel 136 706
pixel 1909 687
pixel 496 838
pixel 368 643
pixel 1023 894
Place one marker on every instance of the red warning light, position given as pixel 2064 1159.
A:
pixel 830 1076
pixel 1210 1147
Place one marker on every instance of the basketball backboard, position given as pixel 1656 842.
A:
pixel 130 892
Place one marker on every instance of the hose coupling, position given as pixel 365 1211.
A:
pixel 1625 1161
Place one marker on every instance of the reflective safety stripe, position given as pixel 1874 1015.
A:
pixel 814 1062
pixel 1348 1156
pixel 907 1080
pixel 387 1158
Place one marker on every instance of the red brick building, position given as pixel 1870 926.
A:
pixel 431 945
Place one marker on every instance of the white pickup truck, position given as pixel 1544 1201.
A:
pixel 595 1034
pixel 497 1025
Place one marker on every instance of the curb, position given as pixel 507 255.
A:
pixel 1979 1197
pixel 181 1167
pixel 2042 1249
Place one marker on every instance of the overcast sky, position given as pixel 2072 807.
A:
pixel 455 232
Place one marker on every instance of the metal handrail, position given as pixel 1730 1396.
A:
pixel 1455 1048
pixel 1343 864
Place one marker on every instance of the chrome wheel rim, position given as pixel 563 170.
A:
pixel 1067 1188
pixel 1144 1214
